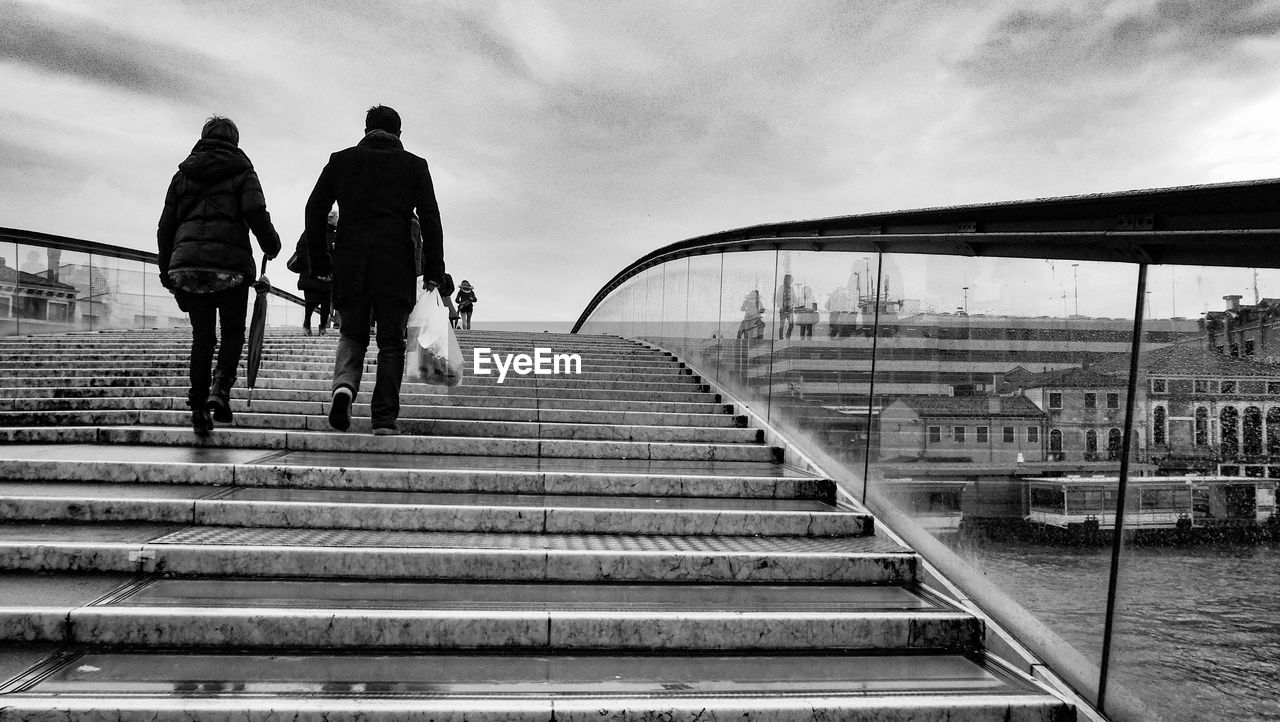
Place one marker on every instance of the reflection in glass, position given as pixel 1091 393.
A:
pixel 1194 632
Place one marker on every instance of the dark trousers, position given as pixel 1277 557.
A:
pixel 391 316
pixel 314 302
pixel 205 311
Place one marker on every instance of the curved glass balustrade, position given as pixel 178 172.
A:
pixel 50 284
pixel 982 407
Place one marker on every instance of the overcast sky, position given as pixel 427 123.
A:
pixel 568 138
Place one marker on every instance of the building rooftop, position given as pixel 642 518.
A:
pixel 1072 378
pixel 969 406
pixel 1190 358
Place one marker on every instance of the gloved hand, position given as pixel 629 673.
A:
pixel 428 285
pixel 164 281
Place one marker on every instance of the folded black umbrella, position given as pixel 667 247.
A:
pixel 257 330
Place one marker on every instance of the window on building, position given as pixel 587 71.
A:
pixel 1235 349
pixel 1202 426
pixel 1202 386
pixel 1220 349
pixel 957 433
pixel 1091 441
pixel 1055 441
pixel 982 435
pixel 1248 348
pixel 935 434
pixel 1227 387
pixel 1008 434
pixel 1113 401
pixel 1055 400
pixel 1158 419
pixel 1114 440
pixel 1158 386
pixel 1033 434
pixel 1273 387
pixel 1091 401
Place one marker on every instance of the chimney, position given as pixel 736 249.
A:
pixel 1233 302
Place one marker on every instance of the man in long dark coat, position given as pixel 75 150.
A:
pixel 378 187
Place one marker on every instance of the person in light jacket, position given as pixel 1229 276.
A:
pixel 206 261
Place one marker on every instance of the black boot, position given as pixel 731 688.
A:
pixel 201 423
pixel 220 400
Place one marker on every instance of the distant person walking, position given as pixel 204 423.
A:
pixel 378 187
pixel 206 261
pixel 317 291
pixel 466 301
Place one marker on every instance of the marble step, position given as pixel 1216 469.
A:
pixel 435 427
pixel 693 394
pixel 231 437
pixel 10 398
pixel 252 686
pixel 661 369
pixel 311 351
pixel 176 549
pixel 324 373
pixel 327 348
pixel 425 511
pixel 407 411
pixel 331 615
pixel 391 472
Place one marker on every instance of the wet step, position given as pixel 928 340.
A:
pixel 535 686
pixel 232 437
pixel 601 377
pixel 400 472
pixel 407 411
pixel 168 612
pixel 408 424
pixel 423 511
pixel 13 398
pixel 397 555
pixel 322 387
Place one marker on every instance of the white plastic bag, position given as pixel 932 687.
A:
pixel 433 356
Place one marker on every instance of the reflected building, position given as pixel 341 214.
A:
pixel 35 301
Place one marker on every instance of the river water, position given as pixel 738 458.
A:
pixel 1197 632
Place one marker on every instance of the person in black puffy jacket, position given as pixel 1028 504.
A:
pixel 206 261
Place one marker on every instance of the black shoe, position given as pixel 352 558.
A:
pixel 200 421
pixel 219 403
pixel 340 409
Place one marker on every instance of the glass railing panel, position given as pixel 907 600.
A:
pixel 748 325
pixel 1194 629
pixel 119 297
pixel 705 326
pixel 650 314
pixel 822 349
pixel 10 320
pixel 675 307
pixel 999 396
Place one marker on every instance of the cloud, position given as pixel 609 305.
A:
pixel 1074 45
pixel 71 45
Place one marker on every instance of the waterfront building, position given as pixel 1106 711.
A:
pixel 1201 411
pixel 1245 331
pixel 981 429
pixel 1084 411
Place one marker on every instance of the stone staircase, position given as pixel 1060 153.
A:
pixel 612 545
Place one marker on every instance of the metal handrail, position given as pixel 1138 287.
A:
pixel 63 243
pixel 1223 224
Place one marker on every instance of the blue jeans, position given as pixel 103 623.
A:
pixel 205 311
pixel 392 316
